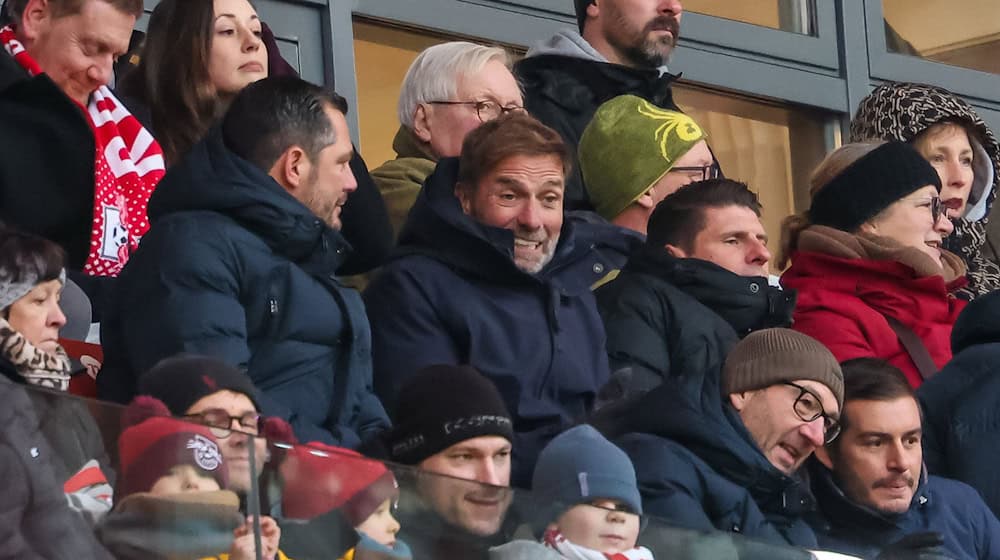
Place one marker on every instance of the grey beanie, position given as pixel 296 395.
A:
pixel 770 356
pixel 580 466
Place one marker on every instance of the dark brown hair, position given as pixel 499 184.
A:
pixel 24 256
pixel 872 379
pixel 513 134
pixel 61 8
pixel 172 76
pixel 680 216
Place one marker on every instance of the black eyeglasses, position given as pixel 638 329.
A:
pixel 485 110
pixel 808 408
pixel 220 423
pixel 936 206
pixel 700 172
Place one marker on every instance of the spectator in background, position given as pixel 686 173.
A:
pixel 197 57
pixel 31 282
pixel 868 259
pixel 960 147
pixel 961 403
pixel 870 482
pixel 633 154
pixel 241 263
pixel 492 276
pixel 622 48
pixel 77 167
pixel 721 450
pixel 696 287
pixel 449 90
pixel 451 424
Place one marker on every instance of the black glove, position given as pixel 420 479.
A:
pixel 927 545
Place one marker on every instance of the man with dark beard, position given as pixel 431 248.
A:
pixel 878 491
pixel 490 274
pixel 623 47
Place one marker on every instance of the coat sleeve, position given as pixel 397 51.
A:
pixel 184 297
pixel 636 336
pixel 407 331
pixel 843 336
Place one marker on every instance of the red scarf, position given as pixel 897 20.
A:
pixel 128 163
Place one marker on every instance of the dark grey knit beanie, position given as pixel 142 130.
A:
pixel 770 356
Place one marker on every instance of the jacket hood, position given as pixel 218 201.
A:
pixel 978 323
pixel 700 418
pixel 569 42
pixel 437 227
pixel 839 509
pixel 748 303
pixel 212 178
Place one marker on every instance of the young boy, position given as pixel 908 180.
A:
pixel 171 497
pixel 321 478
pixel 595 500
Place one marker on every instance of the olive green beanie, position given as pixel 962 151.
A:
pixel 627 147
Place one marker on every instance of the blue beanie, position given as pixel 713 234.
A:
pixel 580 466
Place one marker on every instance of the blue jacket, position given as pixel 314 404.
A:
pixel 699 468
pixel 235 267
pixel 948 507
pixel 961 403
pixel 453 295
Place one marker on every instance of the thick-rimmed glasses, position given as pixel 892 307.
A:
pixel 808 408
pixel 220 423
pixel 485 110
pixel 700 172
pixel 936 206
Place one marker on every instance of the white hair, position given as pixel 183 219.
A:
pixel 434 74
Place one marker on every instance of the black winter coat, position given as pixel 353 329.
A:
pixel 35 519
pixel 564 92
pixel 666 316
pixel 235 267
pixel 699 468
pixel 454 296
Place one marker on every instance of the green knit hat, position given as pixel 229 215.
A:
pixel 770 356
pixel 627 147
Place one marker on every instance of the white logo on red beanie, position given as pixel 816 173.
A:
pixel 206 453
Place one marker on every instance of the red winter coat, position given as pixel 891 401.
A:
pixel 843 301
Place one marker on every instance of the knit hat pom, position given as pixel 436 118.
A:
pixel 277 430
pixel 143 408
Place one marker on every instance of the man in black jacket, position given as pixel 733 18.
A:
pixel 698 285
pixel 623 47
pixel 240 265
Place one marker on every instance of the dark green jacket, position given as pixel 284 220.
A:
pixel 399 180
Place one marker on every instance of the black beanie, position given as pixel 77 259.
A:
pixel 180 381
pixel 442 405
pixel 870 185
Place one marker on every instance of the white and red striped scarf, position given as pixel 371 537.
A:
pixel 555 540
pixel 128 163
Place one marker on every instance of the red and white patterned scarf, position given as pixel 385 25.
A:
pixel 555 540
pixel 128 163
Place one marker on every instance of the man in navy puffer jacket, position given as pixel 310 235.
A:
pixel 239 264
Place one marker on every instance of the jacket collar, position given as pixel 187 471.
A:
pixel 839 510
pixel 747 303
pixel 407 145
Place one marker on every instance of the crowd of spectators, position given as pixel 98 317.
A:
pixel 563 295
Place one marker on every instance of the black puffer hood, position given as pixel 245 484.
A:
pixel 437 227
pixel 901 111
pixel 212 178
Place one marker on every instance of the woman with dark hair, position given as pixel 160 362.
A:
pixel 869 263
pixel 31 281
pixel 960 147
pixel 198 56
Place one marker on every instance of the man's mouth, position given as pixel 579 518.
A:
pixel 527 243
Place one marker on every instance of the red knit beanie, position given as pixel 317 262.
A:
pixel 153 443
pixel 320 478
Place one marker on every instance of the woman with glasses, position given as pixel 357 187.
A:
pixel 868 259
pixel 960 147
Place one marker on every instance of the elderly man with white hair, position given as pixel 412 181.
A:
pixel 449 90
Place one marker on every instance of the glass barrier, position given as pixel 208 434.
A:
pixel 964 33
pixel 186 490
pixel 794 16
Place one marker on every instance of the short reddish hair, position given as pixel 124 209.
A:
pixel 513 134
pixel 61 8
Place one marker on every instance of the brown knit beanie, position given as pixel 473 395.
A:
pixel 770 356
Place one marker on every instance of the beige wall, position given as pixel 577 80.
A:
pixel 756 12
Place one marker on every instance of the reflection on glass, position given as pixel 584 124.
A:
pixel 770 147
pixel 963 33
pixel 795 16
